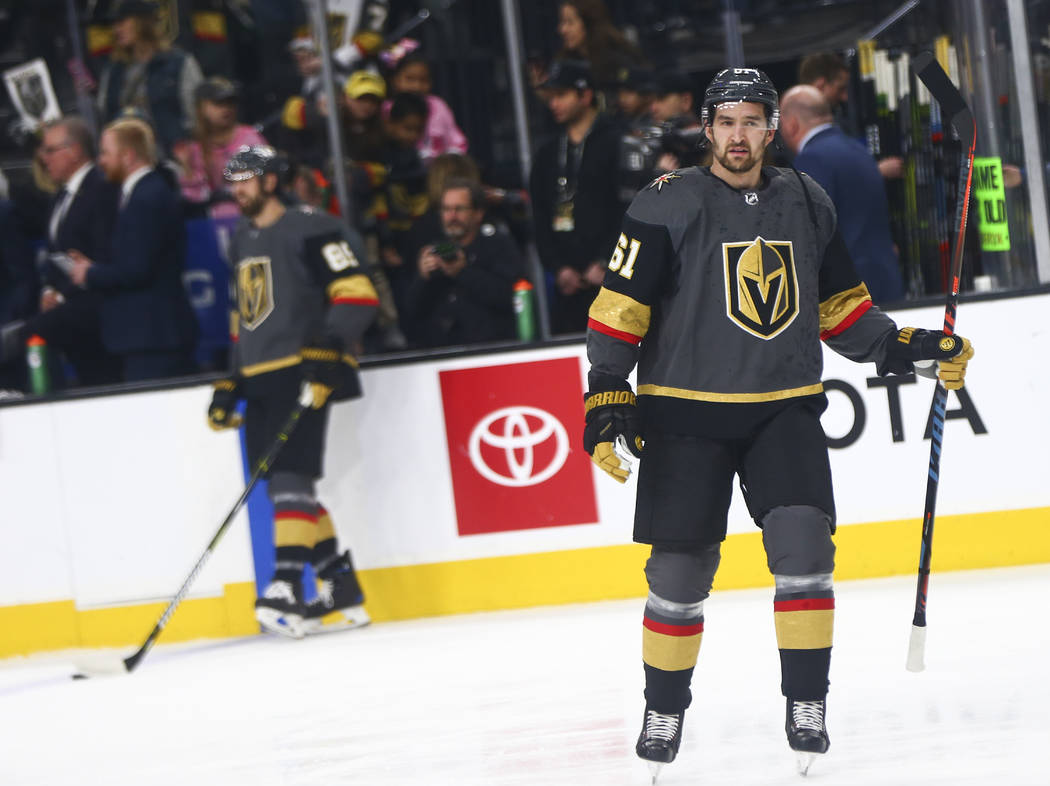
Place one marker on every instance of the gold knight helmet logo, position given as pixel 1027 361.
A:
pixel 761 286
pixel 254 291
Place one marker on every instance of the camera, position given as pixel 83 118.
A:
pixel 447 250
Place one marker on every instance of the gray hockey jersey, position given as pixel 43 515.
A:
pixel 297 279
pixel 722 296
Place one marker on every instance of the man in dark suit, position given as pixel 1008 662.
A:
pixel 81 218
pixel 846 170
pixel 146 316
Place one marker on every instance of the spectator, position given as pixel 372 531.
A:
pixel 465 287
pixel 636 90
pixel 364 93
pixel 848 173
pixel 673 109
pixel 18 291
pixel 411 74
pixel 303 134
pixel 81 219
pixel 146 317
pixel 217 136
pixel 829 74
pixel 148 77
pixel 574 186
pixel 442 169
pixel 587 33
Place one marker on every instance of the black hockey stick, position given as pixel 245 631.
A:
pixel 131 662
pixel 953 109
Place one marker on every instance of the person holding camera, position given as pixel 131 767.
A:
pixel 464 291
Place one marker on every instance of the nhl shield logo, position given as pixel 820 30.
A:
pixel 761 285
pixel 254 291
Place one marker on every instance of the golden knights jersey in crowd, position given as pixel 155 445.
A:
pixel 728 291
pixel 298 279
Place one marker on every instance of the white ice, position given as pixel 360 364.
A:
pixel 553 696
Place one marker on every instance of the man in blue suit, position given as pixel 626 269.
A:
pixel 846 170
pixel 146 316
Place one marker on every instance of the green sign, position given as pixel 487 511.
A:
pixel 991 204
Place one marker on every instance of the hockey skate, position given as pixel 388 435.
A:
pixel 658 743
pixel 280 609
pixel 806 732
pixel 338 602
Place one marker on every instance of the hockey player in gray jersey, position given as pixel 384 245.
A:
pixel 722 285
pixel 303 301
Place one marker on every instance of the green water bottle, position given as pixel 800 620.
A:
pixel 36 359
pixel 523 310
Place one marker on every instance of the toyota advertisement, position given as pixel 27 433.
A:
pixel 514 446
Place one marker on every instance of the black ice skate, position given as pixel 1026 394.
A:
pixel 339 595
pixel 280 609
pixel 658 743
pixel 807 735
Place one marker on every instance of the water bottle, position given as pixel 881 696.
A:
pixel 523 310
pixel 36 359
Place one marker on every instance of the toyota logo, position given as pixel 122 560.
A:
pixel 509 429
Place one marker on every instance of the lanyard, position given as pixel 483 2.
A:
pixel 568 177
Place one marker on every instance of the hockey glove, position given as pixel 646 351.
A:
pixel 221 414
pixel 912 346
pixel 325 369
pixel 611 436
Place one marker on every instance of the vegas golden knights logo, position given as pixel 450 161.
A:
pixel 254 291
pixel 761 287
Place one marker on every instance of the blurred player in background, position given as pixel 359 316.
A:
pixel 303 301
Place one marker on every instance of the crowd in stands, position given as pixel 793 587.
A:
pixel 446 249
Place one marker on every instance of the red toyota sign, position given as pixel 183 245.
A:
pixel 514 445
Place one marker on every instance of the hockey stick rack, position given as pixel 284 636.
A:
pixel 954 110
pixel 102 666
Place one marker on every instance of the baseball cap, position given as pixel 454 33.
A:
pixel 365 83
pixel 636 78
pixel 122 9
pixel 217 89
pixel 673 82
pixel 569 74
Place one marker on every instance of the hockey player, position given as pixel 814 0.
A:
pixel 729 277
pixel 303 301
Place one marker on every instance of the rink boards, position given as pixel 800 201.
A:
pixel 460 485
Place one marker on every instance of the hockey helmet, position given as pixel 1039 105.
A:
pixel 252 161
pixel 740 85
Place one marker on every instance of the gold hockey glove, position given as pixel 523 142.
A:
pixel 611 436
pixel 221 414
pixel 908 350
pixel 326 368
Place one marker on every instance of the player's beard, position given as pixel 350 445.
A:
pixel 252 206
pixel 738 164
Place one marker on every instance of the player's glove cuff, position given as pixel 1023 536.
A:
pixel 222 410
pixel 329 370
pixel 612 436
pixel 914 345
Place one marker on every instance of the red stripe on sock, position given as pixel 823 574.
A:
pixel 806 604
pixel 673 630
pixel 295 514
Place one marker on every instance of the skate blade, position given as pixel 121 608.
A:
pixel 344 619
pixel 654 770
pixel 805 761
pixel 287 625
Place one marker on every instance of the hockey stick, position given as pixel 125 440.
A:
pixel 129 664
pixel 953 108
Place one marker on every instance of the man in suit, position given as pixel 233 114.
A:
pixel 81 218
pixel 146 316
pixel 846 170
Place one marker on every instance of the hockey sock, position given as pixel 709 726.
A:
pixel 325 549
pixel 294 533
pixel 804 614
pixel 671 634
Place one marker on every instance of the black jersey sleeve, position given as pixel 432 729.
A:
pixel 334 255
pixel 637 273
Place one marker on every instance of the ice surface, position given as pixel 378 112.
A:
pixel 553 696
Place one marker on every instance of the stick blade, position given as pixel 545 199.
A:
pixel 99 665
pixel 916 649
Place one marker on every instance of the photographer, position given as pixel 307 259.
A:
pixel 463 293
pixel 678 125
